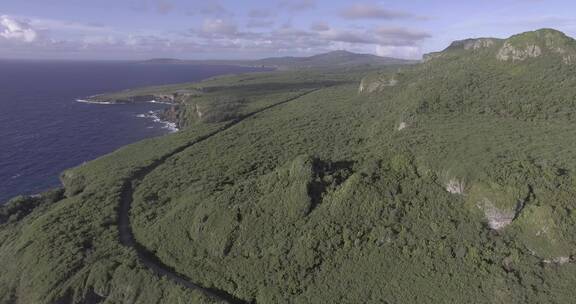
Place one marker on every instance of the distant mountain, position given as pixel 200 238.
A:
pixel 332 59
pixel 325 60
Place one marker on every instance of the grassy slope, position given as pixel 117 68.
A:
pixel 323 200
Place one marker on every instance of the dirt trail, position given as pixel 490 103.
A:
pixel 146 257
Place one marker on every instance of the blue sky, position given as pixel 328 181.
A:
pixel 227 29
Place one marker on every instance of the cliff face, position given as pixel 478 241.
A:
pixel 464 45
pixel 173 114
pixel 378 82
pixel 473 44
pixel 536 44
pixel 509 52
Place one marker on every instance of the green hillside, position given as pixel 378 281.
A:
pixel 449 181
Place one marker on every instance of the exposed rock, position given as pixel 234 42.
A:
pixel 569 59
pixel 559 260
pixel 198 112
pixel 473 44
pixel 537 44
pixel 467 45
pixel 510 52
pixel 362 86
pixel 172 115
pixel 497 219
pixel 518 48
pixel 455 186
pixel 480 44
pixel 431 56
pixel 373 84
pixel 402 126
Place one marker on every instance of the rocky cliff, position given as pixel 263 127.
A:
pixel 544 43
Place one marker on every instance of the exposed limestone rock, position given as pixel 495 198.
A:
pixel 473 44
pixel 455 186
pixel 467 45
pixel 497 219
pixel 558 261
pixel 373 84
pixel 402 126
pixel 479 44
pixel 362 86
pixel 569 59
pixel 510 52
pixel 536 44
pixel 199 113
pixel 431 56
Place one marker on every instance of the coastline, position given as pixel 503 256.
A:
pixel 94 102
pixel 171 126
pixel 155 116
pixel 116 103
pixel 82 133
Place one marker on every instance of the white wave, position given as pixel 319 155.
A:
pixel 160 102
pixel 171 126
pixel 108 102
pixel 94 102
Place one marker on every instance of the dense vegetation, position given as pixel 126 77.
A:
pixel 450 181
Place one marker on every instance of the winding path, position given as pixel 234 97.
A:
pixel 146 257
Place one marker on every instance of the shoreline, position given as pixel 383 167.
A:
pixel 18 181
pixel 172 127
pixel 119 103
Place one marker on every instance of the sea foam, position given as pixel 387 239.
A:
pixel 94 102
pixel 154 115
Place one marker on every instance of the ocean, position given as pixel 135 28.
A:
pixel 44 130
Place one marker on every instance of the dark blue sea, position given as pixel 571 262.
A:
pixel 43 130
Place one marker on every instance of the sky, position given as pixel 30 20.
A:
pixel 250 29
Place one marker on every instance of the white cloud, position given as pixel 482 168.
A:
pixel 320 27
pixel 159 6
pixel 260 13
pixel 258 23
pixel 213 37
pixel 405 52
pixel 17 30
pixel 297 5
pixel 211 8
pixel 372 11
pixel 399 36
pixel 219 26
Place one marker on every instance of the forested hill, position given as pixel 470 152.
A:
pixel 447 181
pixel 527 76
pixel 331 60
